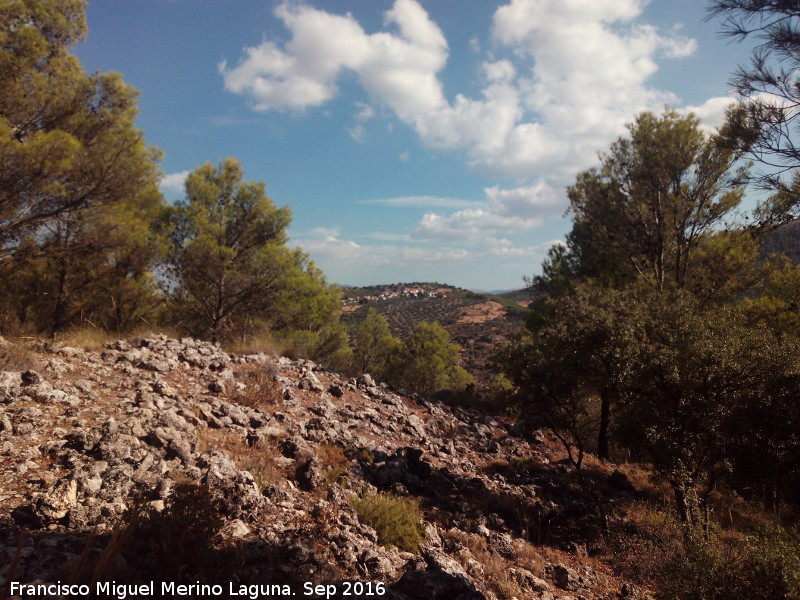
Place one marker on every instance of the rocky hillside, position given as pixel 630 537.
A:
pixel 166 461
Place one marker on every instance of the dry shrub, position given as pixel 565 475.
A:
pixel 16 357
pixel 495 567
pixel 397 521
pixel 642 540
pixel 644 480
pixel 261 387
pixel 650 547
pixel 334 460
pixel 258 459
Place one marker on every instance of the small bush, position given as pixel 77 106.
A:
pixel 652 548
pixel 334 460
pixel 261 387
pixel 15 357
pixel 397 521
pixel 733 567
pixel 258 459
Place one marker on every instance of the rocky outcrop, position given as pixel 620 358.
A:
pixel 107 441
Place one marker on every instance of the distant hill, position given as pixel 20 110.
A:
pixel 475 321
pixel 785 240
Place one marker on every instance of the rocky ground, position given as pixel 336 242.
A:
pixel 166 460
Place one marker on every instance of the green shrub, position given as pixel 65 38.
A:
pixel 652 548
pixel 733 567
pixel 397 521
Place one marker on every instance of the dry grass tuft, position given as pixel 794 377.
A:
pixel 16 356
pixel 334 460
pixel 259 459
pixel 86 337
pixel 263 342
pixel 261 387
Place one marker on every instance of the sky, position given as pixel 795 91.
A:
pixel 413 140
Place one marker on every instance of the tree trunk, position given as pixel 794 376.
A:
pixel 60 308
pixel 605 419
pixel 686 501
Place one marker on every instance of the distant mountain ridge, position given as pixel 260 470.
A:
pixel 475 321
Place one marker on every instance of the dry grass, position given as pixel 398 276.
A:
pixel 86 337
pixel 258 460
pixel 263 342
pixel 261 388
pixel 496 568
pixel 644 480
pixel 17 356
pixel 334 460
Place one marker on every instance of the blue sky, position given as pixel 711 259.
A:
pixel 414 140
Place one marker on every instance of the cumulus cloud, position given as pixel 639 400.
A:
pixel 505 210
pixel 503 248
pixel 172 185
pixel 577 71
pixel 399 68
pixel 589 64
pixel 712 112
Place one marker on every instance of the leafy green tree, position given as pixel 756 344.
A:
pixel 427 362
pixel 67 139
pixel 692 380
pixel 570 372
pixel 230 272
pixel 641 310
pixel 78 185
pixel 90 267
pixel 375 345
pixel 228 260
pixel 661 210
pixel 306 311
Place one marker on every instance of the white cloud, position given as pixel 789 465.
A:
pixel 712 112
pixel 505 210
pixel 398 68
pixel 337 255
pixel 589 66
pixel 365 113
pixel 357 133
pixel 173 183
pixel 425 202
pixel 505 249
pixel 577 72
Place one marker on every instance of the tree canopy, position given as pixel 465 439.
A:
pixel 662 209
pixel 229 270
pixel 655 302
pixel 768 86
pixel 67 139
pixel 427 362
pixel 78 184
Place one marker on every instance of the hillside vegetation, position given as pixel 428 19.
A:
pixel 639 427
pixel 475 321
